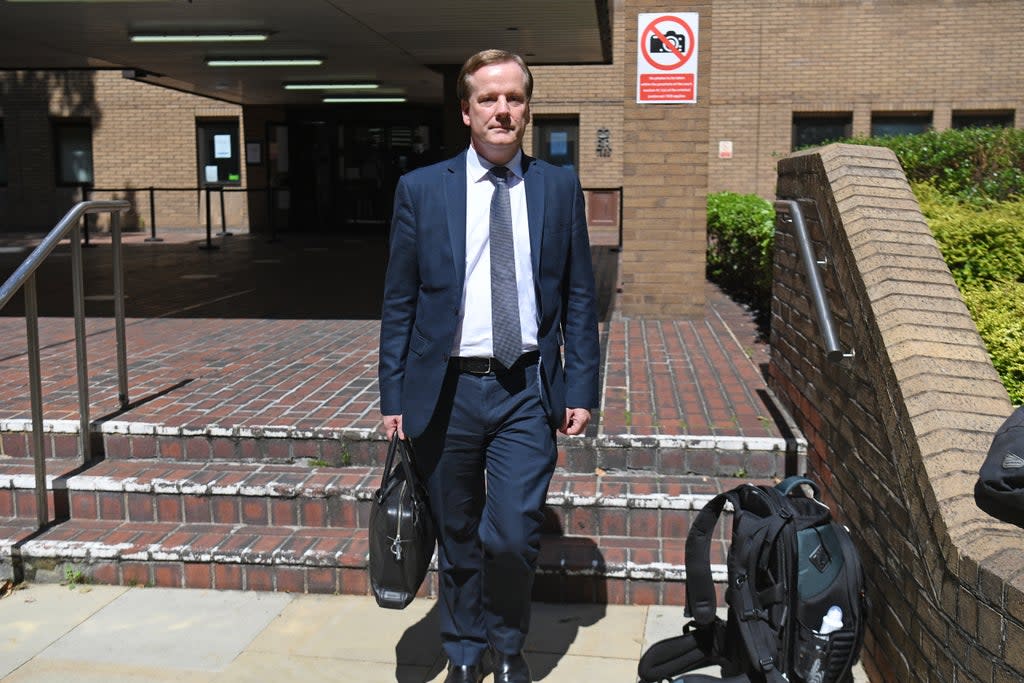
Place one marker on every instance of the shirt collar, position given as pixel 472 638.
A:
pixel 477 167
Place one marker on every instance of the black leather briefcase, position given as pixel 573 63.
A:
pixel 401 530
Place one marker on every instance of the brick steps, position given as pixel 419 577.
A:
pixel 617 537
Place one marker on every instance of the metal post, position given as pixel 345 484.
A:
pixel 223 220
pixel 272 212
pixel 85 218
pixel 209 237
pixel 152 216
pixel 36 394
pixel 119 326
pixel 78 286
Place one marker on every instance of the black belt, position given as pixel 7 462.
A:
pixel 489 366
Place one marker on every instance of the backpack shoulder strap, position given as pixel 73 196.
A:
pixel 753 542
pixel 701 600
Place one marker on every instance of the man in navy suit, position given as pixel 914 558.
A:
pixel 483 429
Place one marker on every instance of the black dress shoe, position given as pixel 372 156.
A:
pixel 464 673
pixel 511 668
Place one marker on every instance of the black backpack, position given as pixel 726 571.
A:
pixel 1000 487
pixel 797 605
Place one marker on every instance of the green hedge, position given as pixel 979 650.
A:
pixel 972 164
pixel 981 245
pixel 741 232
pixel 998 311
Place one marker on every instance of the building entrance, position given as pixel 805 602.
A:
pixel 343 166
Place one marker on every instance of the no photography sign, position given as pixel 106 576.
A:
pixel 666 64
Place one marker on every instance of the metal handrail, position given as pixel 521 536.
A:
pixel 811 264
pixel 25 277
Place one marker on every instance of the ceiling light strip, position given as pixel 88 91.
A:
pixel 198 37
pixel 265 61
pixel 331 86
pixel 362 100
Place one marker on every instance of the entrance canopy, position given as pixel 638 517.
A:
pixel 392 44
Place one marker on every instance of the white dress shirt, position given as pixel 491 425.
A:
pixel 473 335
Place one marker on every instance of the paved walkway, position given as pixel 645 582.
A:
pixel 108 634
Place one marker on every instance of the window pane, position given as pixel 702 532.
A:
pixel 815 129
pixel 74 152
pixel 983 119
pixel 557 141
pixel 219 159
pixel 884 125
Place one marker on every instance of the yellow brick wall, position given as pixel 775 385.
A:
pixel 142 136
pixel 661 266
pixel 775 58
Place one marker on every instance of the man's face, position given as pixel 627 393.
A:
pixel 497 111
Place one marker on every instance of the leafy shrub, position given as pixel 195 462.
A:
pixel 972 164
pixel 998 311
pixel 741 232
pixel 981 245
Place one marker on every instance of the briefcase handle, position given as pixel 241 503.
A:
pixel 404 449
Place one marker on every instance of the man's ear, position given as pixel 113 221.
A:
pixel 465 111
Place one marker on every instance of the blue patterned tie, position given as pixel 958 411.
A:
pixel 506 334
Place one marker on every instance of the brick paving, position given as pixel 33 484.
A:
pixel 222 346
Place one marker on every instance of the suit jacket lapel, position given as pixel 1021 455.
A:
pixel 533 176
pixel 455 196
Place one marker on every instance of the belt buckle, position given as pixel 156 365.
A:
pixel 479 366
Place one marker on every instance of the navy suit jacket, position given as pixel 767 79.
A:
pixel 425 276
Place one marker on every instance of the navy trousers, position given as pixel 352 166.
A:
pixel 487 457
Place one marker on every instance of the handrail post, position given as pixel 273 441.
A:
pixel 223 219
pixel 209 228
pixel 152 216
pixel 78 286
pixel 119 324
pixel 85 217
pixel 818 297
pixel 36 397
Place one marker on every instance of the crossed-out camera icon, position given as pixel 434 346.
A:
pixel 677 40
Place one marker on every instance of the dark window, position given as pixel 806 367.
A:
pixel 219 160
pixel 73 143
pixel 886 125
pixel 817 128
pixel 983 119
pixel 556 140
pixel 3 155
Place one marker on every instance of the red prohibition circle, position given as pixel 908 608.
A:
pixel 652 28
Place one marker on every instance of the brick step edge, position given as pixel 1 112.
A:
pixel 711 455
pixel 628 489
pixel 570 568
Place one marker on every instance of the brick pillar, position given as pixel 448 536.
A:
pixel 665 179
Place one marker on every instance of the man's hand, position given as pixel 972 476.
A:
pixel 576 420
pixel 393 423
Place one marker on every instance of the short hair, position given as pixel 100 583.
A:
pixel 486 58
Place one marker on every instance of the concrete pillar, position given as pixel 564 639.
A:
pixel 665 179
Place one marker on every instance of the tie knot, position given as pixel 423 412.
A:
pixel 500 173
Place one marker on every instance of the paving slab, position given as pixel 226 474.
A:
pixel 155 628
pixel 32 620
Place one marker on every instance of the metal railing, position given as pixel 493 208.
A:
pixel 791 208
pixel 25 277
